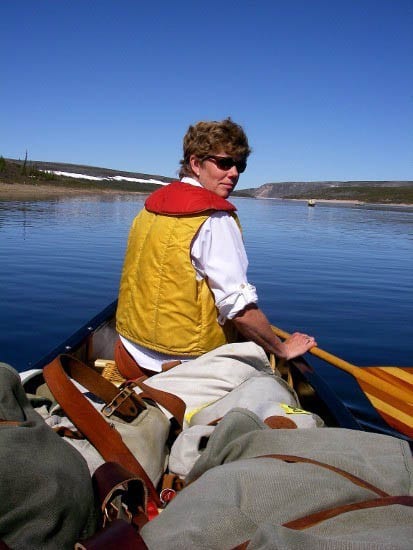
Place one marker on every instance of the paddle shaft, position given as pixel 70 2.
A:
pixel 359 373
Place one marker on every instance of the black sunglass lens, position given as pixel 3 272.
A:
pixel 225 163
pixel 241 165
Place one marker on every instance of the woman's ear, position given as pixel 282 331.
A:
pixel 195 164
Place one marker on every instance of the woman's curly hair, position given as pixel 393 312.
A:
pixel 209 138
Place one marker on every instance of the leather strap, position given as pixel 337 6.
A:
pixel 62 431
pixel 130 369
pixel 172 403
pixel 354 479
pixel 278 422
pixel 126 364
pixel 313 519
pixel 128 409
pixel 170 365
pixel 88 420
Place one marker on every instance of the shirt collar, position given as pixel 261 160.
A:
pixel 191 181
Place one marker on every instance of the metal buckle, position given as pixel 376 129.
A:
pixel 116 509
pixel 126 390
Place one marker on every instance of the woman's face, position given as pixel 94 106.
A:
pixel 219 179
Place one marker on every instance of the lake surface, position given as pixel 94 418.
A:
pixel 341 273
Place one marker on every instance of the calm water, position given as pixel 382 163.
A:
pixel 344 274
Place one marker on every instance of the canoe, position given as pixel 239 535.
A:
pixel 94 343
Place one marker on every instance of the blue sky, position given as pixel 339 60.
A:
pixel 323 88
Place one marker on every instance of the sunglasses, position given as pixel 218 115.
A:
pixel 226 163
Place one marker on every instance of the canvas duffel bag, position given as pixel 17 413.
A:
pixel 258 488
pixel 221 379
pixel 202 381
pixel 269 397
pixel 46 495
pixel 233 375
pixel 119 426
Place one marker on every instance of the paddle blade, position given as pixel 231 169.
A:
pixel 397 412
pixel 389 389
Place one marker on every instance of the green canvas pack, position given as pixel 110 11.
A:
pixel 258 488
pixel 46 495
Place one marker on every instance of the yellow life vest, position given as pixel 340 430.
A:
pixel 162 306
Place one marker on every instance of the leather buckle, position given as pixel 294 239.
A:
pixel 126 392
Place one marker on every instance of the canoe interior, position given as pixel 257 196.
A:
pixel 96 340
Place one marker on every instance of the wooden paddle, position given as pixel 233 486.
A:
pixel 389 389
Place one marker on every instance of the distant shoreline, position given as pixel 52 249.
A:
pixel 23 191
pixel 329 201
pixel 355 202
pixel 336 202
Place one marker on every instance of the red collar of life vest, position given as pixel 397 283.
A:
pixel 179 198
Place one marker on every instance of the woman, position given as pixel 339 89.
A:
pixel 184 288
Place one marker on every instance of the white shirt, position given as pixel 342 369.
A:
pixel 217 254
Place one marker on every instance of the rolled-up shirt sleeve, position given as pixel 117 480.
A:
pixel 218 255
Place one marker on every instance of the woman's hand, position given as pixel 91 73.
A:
pixel 254 325
pixel 298 343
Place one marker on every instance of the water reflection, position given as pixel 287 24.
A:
pixel 341 273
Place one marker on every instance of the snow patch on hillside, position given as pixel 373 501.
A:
pixel 112 178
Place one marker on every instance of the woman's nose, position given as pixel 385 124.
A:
pixel 233 171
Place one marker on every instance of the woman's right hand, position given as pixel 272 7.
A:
pixel 298 343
